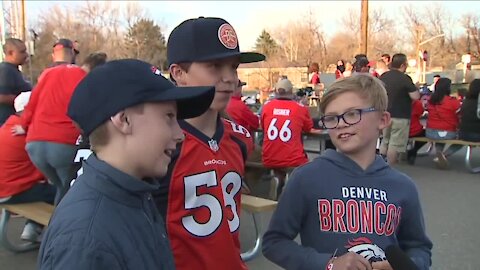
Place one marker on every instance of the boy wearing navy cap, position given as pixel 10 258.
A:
pixel 108 219
pixel 200 197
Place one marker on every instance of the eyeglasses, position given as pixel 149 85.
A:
pixel 350 118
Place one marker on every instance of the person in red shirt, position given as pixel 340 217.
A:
pixel 200 197
pixel 20 180
pixel 51 134
pixel 314 77
pixel 283 120
pixel 240 113
pixel 416 130
pixel 443 120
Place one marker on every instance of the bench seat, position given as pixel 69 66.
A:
pixel 39 212
pixel 468 154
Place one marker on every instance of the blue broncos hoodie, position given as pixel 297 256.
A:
pixel 335 205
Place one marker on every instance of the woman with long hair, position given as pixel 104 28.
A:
pixel 314 73
pixel 443 120
pixel 470 123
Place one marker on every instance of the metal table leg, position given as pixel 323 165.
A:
pixel 468 161
pixel 16 248
pixel 427 151
pixel 255 250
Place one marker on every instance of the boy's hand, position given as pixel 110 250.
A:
pixel 351 261
pixel 383 265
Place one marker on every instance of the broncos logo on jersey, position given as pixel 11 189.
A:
pixel 365 248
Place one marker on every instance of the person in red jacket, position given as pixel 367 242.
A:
pixel 240 113
pixel 314 74
pixel 443 120
pixel 20 180
pixel 51 134
pixel 416 130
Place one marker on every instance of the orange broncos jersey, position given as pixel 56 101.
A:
pixel 283 121
pixel 200 197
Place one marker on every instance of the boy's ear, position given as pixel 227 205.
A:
pixel 121 122
pixel 385 120
pixel 178 74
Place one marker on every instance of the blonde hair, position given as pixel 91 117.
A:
pixel 365 85
pixel 99 137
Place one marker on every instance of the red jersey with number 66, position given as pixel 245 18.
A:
pixel 283 121
pixel 200 197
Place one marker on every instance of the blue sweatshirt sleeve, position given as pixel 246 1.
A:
pixel 278 242
pixel 411 235
pixel 63 253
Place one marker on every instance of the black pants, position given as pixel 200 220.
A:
pixel 412 153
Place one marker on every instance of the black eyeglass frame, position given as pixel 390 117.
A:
pixel 342 116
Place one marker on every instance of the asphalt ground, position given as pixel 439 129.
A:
pixel 450 200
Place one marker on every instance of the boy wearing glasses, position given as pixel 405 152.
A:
pixel 358 205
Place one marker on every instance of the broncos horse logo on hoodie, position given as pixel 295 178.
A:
pixel 365 248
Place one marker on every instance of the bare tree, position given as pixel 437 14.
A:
pixel 302 41
pixel 471 24
pixel 382 35
pixel 432 30
pixel 342 46
pixel 97 26
pixel 133 12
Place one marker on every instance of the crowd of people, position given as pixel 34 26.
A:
pixel 158 165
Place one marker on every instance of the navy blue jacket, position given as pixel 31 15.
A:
pixel 107 220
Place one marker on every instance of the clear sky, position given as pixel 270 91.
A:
pixel 250 17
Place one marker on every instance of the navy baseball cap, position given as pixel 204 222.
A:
pixel 120 84
pixel 204 39
pixel 65 43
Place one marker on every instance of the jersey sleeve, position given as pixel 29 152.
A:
pixel 241 136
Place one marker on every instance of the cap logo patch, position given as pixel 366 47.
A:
pixel 155 70
pixel 227 36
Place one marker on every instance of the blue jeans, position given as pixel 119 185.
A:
pixel 436 134
pixel 55 161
